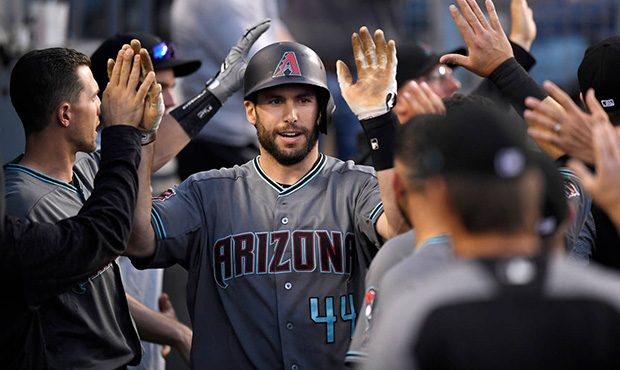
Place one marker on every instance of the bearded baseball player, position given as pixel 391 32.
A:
pixel 277 248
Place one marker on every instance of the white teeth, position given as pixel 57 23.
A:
pixel 288 134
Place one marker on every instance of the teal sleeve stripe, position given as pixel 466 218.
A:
pixel 158 225
pixel 376 212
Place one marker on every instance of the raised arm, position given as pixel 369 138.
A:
pixel 490 55
pixel 372 98
pixel 186 121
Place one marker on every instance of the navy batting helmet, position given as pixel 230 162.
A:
pixel 285 63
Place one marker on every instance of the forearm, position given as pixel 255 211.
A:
pixel 157 328
pixel 380 132
pixel 171 139
pixel 142 241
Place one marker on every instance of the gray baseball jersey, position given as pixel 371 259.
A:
pixel 508 313
pixel 89 326
pixel 396 269
pixel 275 273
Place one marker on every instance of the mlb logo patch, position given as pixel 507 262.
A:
pixel 287 66
pixel 608 103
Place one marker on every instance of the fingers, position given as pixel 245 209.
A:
pixel 541 114
pixel 381 48
pixel 135 46
pixel 251 35
pixel 110 68
pixel 583 172
pixel 165 350
pixel 126 66
pixel 594 106
pixel 435 100
pixel 543 135
pixel 134 76
pixel 145 86
pixel 493 17
pixel 147 63
pixel 466 30
pixel 454 59
pixel 358 52
pixel 469 15
pixel 392 60
pixel 368 46
pixel 482 20
pixel 344 75
pixel 561 97
pixel 116 69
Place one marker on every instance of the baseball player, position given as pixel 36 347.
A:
pixel 89 326
pixel 507 304
pixel 40 261
pixel 277 248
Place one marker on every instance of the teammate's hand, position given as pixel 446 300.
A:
pixel 123 98
pixel 522 27
pixel 415 99
pixel 230 77
pixel 570 128
pixel 374 92
pixel 487 44
pixel 604 186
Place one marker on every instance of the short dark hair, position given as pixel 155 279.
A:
pixel 41 80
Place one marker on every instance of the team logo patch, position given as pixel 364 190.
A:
pixel 165 195
pixel 287 66
pixel 570 190
pixel 369 301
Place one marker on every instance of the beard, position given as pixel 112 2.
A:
pixel 286 156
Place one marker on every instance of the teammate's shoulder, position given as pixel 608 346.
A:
pixel 231 173
pixel 349 167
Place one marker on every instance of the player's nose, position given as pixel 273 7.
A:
pixel 290 112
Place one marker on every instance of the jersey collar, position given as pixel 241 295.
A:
pixel 41 176
pixel 284 191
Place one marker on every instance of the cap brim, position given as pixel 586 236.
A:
pixel 179 66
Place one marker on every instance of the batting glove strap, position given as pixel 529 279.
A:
pixel 380 132
pixel 516 84
pixel 194 114
pixel 148 137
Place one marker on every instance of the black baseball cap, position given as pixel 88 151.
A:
pixel 473 141
pixel 162 54
pixel 599 70
pixel 415 60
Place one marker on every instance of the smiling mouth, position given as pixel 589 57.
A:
pixel 290 134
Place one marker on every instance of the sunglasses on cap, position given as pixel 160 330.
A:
pixel 163 51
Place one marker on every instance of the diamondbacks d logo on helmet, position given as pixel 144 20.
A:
pixel 288 63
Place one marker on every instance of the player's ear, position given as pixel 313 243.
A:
pixel 63 114
pixel 250 111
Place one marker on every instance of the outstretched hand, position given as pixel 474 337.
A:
pixel 374 92
pixel 124 96
pixel 569 128
pixel 522 27
pixel 605 184
pixel 487 44
pixel 415 99
pixel 230 76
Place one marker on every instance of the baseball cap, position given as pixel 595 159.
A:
pixel 473 140
pixel 162 54
pixel 415 60
pixel 599 70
